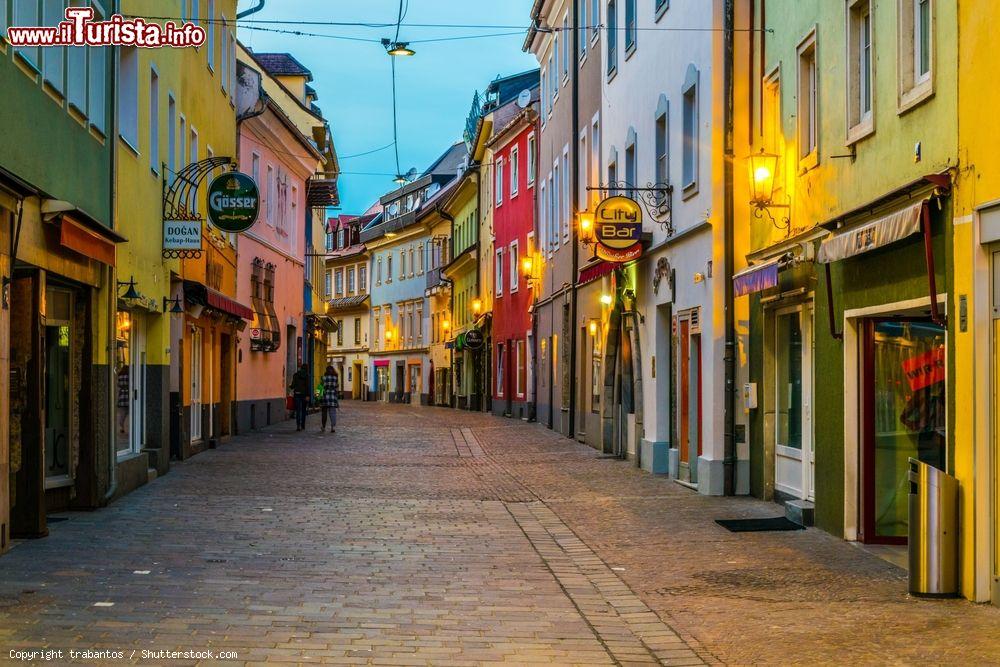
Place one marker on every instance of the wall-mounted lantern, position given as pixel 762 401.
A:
pixel 763 167
pixel 531 269
pixel 477 306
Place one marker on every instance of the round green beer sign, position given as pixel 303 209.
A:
pixel 233 202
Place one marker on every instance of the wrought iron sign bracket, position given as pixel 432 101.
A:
pixel 784 223
pixel 655 198
pixel 178 193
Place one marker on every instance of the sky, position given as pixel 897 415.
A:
pixel 354 81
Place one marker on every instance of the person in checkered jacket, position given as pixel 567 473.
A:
pixel 329 400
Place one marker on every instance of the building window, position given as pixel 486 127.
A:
pixel 53 62
pixel 420 259
pixel 662 164
pixel 172 142
pixel 567 42
pixel 351 281
pixel 211 28
pixel 629 26
pixel 500 369
pixel 154 121
pixel 595 158
pixel 499 181
pixel 532 159
pixel 193 156
pixel 402 264
pixel 521 369
pixel 378 271
pixel 128 95
pixel 916 52
pixel 553 82
pixel 513 171
pixel 630 160
pixel 388 267
pixel 26 14
pixel 612 38
pixel 97 82
pixel 567 195
pixel 357 331
pixel 363 279
pixel 807 97
pixel 76 77
pixel 340 333
pixel 543 215
pixel 689 113
pixel 860 70
pixel 515 269
pixel 340 239
pixel 661 6
pixel 338 282
pixel 613 173
pixel 411 264
pixel 774 137
pixel 581 22
pixel 329 284
pixel 499 272
pixel 595 19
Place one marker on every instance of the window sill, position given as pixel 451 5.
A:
pixel 689 190
pixel 864 129
pixel 129 145
pixel 629 52
pixel 660 12
pixel 808 162
pixel 914 97
pixel 612 73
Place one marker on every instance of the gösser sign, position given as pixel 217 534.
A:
pixel 233 202
pixel 618 229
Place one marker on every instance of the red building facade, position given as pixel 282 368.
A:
pixel 515 155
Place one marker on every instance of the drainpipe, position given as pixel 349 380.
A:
pixel 729 444
pixel 112 277
pixel 575 153
pixel 452 400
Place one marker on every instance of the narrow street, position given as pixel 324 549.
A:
pixel 424 536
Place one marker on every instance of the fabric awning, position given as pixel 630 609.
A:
pixel 195 292
pixel 757 278
pixel 872 235
pixel 78 238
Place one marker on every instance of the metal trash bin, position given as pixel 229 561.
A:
pixel 933 542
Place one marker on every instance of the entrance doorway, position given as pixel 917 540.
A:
pixel 415 387
pixel 196 388
pixel 689 405
pixel 58 386
pixel 382 383
pixel 904 404
pixel 356 381
pixel 794 467
pixel 130 379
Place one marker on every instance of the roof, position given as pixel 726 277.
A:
pixel 449 162
pixel 282 64
pixel 509 87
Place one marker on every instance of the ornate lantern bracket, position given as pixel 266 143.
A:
pixel 656 199
pixel 178 193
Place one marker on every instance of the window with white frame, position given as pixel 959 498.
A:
pixel 412 264
pixel 542 97
pixel 378 271
pixel 76 77
pixel 500 369
pixel 553 82
pixel 595 159
pixel 128 95
pixel 916 52
pixel 860 69
pixel 498 169
pixel 532 159
pixel 402 264
pixel 661 166
pixel 522 374
pixel 567 207
pixel 581 21
pixel 543 214
pixel 363 278
pixel 420 259
pixel 555 191
pixel 583 155
pixel 352 284
pixel 808 123
pixel 689 129
pixel 272 196
pixel 172 142
pixel 567 42
pixel 613 172
pixel 595 19
pixel 26 14
pixel 515 270
pixel 498 272
pixel 388 267
pixel 338 283
pixel 630 159
pixel 514 164
pixel 328 285
pixel 630 26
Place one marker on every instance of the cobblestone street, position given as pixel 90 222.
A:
pixel 425 536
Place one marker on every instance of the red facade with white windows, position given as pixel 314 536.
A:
pixel 515 150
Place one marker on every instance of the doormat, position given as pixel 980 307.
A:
pixel 777 523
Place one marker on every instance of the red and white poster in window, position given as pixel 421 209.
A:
pixel 925 369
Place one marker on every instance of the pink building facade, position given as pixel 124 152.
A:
pixel 271 263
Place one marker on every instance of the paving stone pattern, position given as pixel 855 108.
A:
pixel 425 536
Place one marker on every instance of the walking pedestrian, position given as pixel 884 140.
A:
pixel 330 399
pixel 300 396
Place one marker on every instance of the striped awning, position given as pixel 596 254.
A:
pixel 872 235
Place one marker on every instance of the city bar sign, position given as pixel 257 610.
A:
pixel 182 235
pixel 233 202
pixel 618 230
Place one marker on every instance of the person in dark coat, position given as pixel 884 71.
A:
pixel 329 399
pixel 300 396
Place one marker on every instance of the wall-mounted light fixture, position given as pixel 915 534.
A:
pixel 763 167
pixel 592 327
pixel 175 306
pixel 531 269
pixel 477 306
pixel 607 299
pixel 130 294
